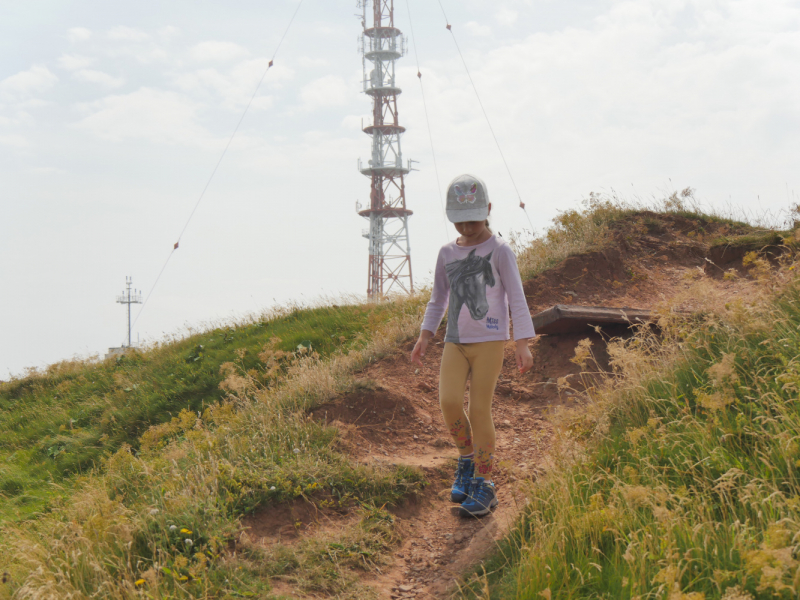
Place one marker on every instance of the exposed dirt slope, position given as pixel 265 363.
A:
pixel 395 418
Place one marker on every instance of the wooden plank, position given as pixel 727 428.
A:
pixel 564 318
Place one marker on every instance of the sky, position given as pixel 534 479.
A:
pixel 113 116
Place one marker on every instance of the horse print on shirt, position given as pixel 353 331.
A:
pixel 468 280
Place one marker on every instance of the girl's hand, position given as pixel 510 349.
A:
pixel 524 357
pixel 419 348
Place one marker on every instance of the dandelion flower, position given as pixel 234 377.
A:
pixel 186 531
pixel 272 488
pixel 172 527
pixel 153 511
pixel 188 542
pixel 296 450
pixel 140 582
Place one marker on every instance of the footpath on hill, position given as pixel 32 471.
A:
pixel 650 262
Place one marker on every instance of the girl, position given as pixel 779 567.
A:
pixel 476 280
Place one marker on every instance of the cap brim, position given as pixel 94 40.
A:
pixel 470 214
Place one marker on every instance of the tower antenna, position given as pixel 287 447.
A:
pixel 129 297
pixel 381 44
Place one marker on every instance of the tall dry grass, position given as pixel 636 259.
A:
pixel 158 524
pixel 688 484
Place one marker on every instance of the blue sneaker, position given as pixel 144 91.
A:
pixel 464 473
pixel 481 499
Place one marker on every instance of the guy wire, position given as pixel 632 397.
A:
pixel 485 115
pixel 224 151
pixel 427 120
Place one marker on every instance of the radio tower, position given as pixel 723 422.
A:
pixel 129 297
pixel 381 44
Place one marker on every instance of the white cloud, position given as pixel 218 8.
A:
pixel 330 90
pixel 506 16
pixel 73 62
pixel 47 171
pixel 15 141
pixel 35 80
pixel 477 29
pixel 127 34
pixel 352 122
pixel 146 114
pixel 99 77
pixel 236 86
pixel 78 34
pixel 169 31
pixel 32 103
pixel 648 90
pixel 311 61
pixel 217 51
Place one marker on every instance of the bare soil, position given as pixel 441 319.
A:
pixel 395 417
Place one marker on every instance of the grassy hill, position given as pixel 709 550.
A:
pixel 129 477
pixel 64 420
pixel 131 474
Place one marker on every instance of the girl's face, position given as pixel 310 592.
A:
pixel 473 231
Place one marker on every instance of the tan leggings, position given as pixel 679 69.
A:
pixel 481 362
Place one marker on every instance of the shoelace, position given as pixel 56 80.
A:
pixel 462 473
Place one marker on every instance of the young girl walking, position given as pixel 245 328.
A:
pixel 476 280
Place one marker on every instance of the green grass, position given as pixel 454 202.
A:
pixel 690 487
pixel 67 418
pixel 755 241
pixel 158 515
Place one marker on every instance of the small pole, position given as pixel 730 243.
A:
pixel 129 297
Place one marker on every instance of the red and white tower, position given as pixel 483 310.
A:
pixel 381 44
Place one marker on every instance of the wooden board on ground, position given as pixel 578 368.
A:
pixel 563 318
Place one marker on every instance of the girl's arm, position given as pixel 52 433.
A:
pixel 520 314
pixel 434 311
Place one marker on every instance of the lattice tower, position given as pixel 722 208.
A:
pixel 381 44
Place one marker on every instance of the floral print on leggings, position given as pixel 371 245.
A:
pixel 483 461
pixel 461 434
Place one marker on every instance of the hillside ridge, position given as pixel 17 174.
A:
pixel 325 457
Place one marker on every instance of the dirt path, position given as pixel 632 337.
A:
pixel 399 422
pixel 394 417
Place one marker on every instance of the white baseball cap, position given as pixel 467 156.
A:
pixel 467 199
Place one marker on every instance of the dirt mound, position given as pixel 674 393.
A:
pixel 724 257
pixel 287 523
pixel 644 261
pixel 377 414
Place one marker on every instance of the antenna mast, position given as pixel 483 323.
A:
pixel 129 297
pixel 381 44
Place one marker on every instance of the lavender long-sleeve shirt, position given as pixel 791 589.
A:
pixel 477 284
